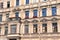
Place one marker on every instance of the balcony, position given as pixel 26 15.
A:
pixel 14 19
pixel 15 35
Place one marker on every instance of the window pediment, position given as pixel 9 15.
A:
pixel 53 19
pixel 43 20
pixel 35 21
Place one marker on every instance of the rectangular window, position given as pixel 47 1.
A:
pixel 26 14
pixel 13 28
pixel 44 12
pixel 6 30
pixel 17 15
pixel 44 0
pixel 1 5
pixel 26 28
pixel 27 1
pixel 7 16
pixel 0 29
pixel 35 28
pixel 44 28
pixel 35 13
pixel 8 4
pixel 17 2
pixel 0 18
pixel 53 11
pixel 54 26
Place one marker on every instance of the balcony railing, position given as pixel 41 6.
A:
pixel 14 19
pixel 34 16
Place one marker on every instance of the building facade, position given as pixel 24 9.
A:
pixel 29 19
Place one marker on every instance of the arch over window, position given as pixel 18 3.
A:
pixel 54 19
pixel 43 20
pixel 26 21
pixel 35 21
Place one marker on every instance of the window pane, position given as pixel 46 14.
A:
pixel 44 28
pixel 53 11
pixel 8 4
pixel 27 1
pixel 44 12
pixel 13 28
pixel 7 16
pixel 0 18
pixel 17 14
pixel 17 2
pixel 34 28
pixel 35 12
pixel 54 26
pixel 1 5
pixel 26 14
pixel 6 30
pixel 0 29
pixel 26 28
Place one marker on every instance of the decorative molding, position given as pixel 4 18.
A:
pixel 43 20
pixel 35 21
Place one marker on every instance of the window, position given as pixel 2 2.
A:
pixel 1 5
pixel 12 39
pixel 17 2
pixel 13 28
pixel 0 18
pixel 26 14
pixel 44 12
pixel 44 28
pixel 6 30
pixel 35 28
pixel 35 13
pixel 44 0
pixel 27 1
pixel 54 25
pixel 26 28
pixel 0 29
pixel 53 11
pixel 8 4
pixel 7 16
pixel 17 15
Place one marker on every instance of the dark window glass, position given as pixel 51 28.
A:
pixel 26 28
pixel 13 28
pixel 6 30
pixel 1 5
pixel 44 12
pixel 0 18
pixel 53 11
pixel 27 1
pixel 44 28
pixel 0 29
pixel 7 16
pixel 17 2
pixel 26 14
pixel 54 26
pixel 35 13
pixel 12 39
pixel 17 15
pixel 8 4
pixel 34 28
